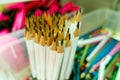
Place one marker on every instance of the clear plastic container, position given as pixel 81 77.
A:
pixel 14 62
pixel 103 17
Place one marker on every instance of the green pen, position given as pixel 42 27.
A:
pixel 114 75
pixel 108 69
pixel 84 54
pixel 117 77
pixel 115 72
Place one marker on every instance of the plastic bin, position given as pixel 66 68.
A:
pixel 103 17
pixel 14 62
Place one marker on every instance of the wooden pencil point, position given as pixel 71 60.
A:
pixel 76 32
pixel 36 38
pixel 67 43
pixel 53 46
pixel 28 36
pixel 60 48
pixel 42 41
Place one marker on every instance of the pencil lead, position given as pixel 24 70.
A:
pixel 40 29
pixel 53 31
pixel 68 30
pixel 69 36
pixel 49 34
pixel 78 25
pixel 42 34
pixel 54 39
pixel 62 41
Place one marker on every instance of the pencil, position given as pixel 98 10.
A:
pixel 42 49
pixel 65 57
pixel 30 47
pixel 58 60
pixel 74 38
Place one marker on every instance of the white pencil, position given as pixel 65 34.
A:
pixel 30 48
pixel 91 40
pixel 58 61
pixel 37 55
pixel 65 58
pixel 98 48
pixel 73 49
pixel 74 31
pixel 101 71
pixel 49 42
pixel 42 49
pixel 52 58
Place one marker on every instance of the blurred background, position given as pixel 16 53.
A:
pixel 86 5
pixel 91 5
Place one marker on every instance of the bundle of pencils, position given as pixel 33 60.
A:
pixel 51 42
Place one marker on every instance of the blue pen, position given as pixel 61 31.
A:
pixel 95 77
pixel 78 68
pixel 108 47
pixel 74 70
pixel 94 73
pixel 78 71
pixel 91 49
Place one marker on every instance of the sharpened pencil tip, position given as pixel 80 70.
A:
pixel 78 25
pixel 82 75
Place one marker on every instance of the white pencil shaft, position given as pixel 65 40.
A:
pixel 58 61
pixel 72 54
pixel 89 41
pixel 97 49
pixel 37 59
pixel 101 71
pixel 42 61
pixel 47 62
pixel 30 47
pixel 52 63
pixel 65 62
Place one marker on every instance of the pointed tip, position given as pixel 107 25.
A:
pixel 78 25
pixel 53 31
pixel 62 41
pixel 82 75
pixel 69 36
pixel 42 34
pixel 68 30
pixel 49 34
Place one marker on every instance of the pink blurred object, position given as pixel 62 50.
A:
pixel 3 17
pixel 4 32
pixel 32 5
pixel 15 6
pixel 67 7
pixel 38 12
pixel 13 55
pixel 74 8
pixel 19 20
pixel 54 8
pixel 27 78
pixel 53 2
